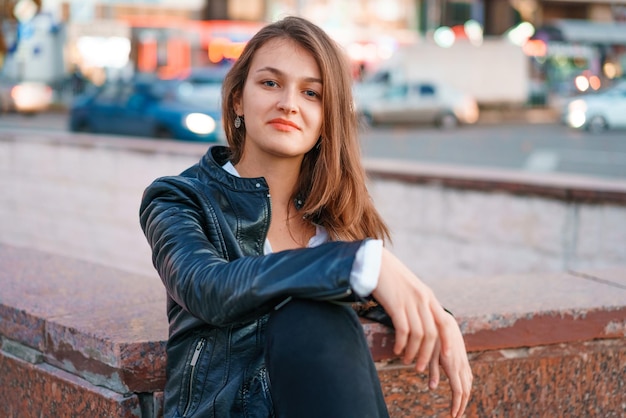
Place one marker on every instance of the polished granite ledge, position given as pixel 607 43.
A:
pixel 584 379
pixel 41 390
pixel 109 326
pixel 500 312
pixel 105 325
pixel 77 336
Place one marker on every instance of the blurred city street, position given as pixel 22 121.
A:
pixel 517 144
pixel 493 134
pixel 519 85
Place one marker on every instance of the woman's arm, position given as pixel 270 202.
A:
pixel 199 278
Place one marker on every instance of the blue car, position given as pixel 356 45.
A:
pixel 150 108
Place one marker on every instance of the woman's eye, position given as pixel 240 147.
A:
pixel 270 83
pixel 311 93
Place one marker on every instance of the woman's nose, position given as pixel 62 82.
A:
pixel 287 102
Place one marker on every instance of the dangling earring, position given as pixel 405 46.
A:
pixel 238 122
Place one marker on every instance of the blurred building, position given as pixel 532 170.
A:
pixel 574 45
pixel 115 38
pixel 31 42
pixel 108 38
pixel 577 46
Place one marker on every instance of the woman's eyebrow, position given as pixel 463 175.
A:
pixel 278 72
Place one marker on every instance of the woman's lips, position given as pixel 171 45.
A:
pixel 283 125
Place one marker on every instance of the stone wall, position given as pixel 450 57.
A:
pixel 78 339
pixel 533 268
pixel 454 222
pixel 79 196
pixel 82 339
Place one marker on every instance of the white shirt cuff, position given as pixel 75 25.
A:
pixel 366 267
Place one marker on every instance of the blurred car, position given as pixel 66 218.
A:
pixel 150 108
pixel 415 103
pixel 200 86
pixel 596 112
pixel 27 97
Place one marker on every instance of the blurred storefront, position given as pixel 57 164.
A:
pixel 116 38
pixel 169 36
pixel 103 43
pixel 578 46
pixel 576 55
pixel 370 30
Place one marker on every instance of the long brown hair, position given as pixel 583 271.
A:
pixel 332 181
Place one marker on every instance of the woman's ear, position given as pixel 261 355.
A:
pixel 237 105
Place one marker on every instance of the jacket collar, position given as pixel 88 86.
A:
pixel 212 162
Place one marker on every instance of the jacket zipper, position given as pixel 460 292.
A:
pixel 192 364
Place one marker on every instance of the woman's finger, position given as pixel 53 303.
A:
pixel 401 327
pixel 456 366
pixel 415 336
pixel 457 394
pixel 467 387
pixel 433 371
pixel 460 394
pixel 429 339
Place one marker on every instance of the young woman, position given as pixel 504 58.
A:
pixel 264 244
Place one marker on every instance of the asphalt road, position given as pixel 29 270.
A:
pixel 536 147
pixel 528 147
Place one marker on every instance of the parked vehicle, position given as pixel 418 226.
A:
pixel 201 86
pixel 415 103
pixel 151 108
pixel 494 73
pixel 599 111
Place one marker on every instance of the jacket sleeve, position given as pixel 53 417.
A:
pixel 221 292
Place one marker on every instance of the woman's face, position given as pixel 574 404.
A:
pixel 281 101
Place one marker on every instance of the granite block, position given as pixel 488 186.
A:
pixel 21 351
pixel 106 329
pixel 522 294
pixel 527 310
pixel 42 391
pixel 20 325
pixel 106 325
pixel 565 380
pixel 549 328
pixel 534 309
pixel 116 347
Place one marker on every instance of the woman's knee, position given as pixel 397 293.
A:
pixel 319 363
pixel 307 319
pixel 315 328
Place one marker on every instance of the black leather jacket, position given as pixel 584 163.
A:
pixel 207 228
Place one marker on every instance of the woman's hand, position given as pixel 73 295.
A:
pixel 411 306
pixel 453 359
pixel 424 331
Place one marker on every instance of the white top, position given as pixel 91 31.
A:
pixel 366 267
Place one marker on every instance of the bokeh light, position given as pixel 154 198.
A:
pixel 582 83
pixel 521 33
pixel 444 36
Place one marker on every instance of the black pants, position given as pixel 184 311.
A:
pixel 319 364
